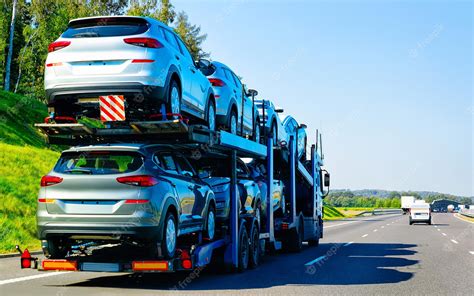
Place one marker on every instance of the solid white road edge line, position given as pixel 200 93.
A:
pixel 340 224
pixel 315 260
pixel 31 277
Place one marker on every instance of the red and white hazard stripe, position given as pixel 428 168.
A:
pixel 112 108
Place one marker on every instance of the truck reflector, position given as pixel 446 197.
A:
pixel 59 265
pixel 150 265
pixel 112 108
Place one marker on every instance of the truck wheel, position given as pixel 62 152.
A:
pixel 243 249
pixel 295 239
pixel 411 222
pixel 56 249
pixel 254 246
pixel 210 227
pixel 170 237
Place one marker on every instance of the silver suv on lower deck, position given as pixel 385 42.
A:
pixel 144 194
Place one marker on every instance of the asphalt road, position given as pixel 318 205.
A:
pixel 365 256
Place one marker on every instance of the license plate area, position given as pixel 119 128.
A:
pixel 100 267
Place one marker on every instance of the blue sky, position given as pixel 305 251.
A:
pixel 389 84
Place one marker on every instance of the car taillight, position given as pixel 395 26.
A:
pixel 141 181
pixel 58 45
pixel 50 180
pixel 136 201
pixel 144 42
pixel 216 82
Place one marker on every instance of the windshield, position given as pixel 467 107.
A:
pixel 98 162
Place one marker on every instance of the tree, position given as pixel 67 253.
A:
pixel 191 35
pixel 10 48
pixel 162 11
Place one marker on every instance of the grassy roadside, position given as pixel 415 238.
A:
pixel 21 169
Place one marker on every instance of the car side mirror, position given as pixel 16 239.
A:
pixel 327 179
pixel 204 175
pixel 252 93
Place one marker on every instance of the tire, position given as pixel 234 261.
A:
pixel 210 227
pixel 274 132
pixel 429 222
pixel 174 98
pixel 243 249
pixel 170 237
pixel 256 131
pixel 211 116
pixel 296 239
pixel 411 222
pixel 254 258
pixel 232 124
pixel 56 249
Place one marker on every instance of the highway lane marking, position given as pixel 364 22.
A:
pixel 375 230
pixel 443 234
pixel 439 229
pixel 315 260
pixel 340 224
pixel 348 244
pixel 472 252
pixel 31 277
pixel 456 215
pixel 365 235
pixel 454 241
pixel 382 226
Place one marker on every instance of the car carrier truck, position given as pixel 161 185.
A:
pixel 243 240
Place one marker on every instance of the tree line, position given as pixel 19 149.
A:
pixel 37 23
pixel 347 198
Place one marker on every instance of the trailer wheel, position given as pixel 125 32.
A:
pixel 295 243
pixel 56 249
pixel 254 259
pixel 243 248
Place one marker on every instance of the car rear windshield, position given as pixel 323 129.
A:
pixel 106 27
pixel 98 162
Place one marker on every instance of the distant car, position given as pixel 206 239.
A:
pixel 235 110
pixel 420 212
pixel 137 60
pixel 136 193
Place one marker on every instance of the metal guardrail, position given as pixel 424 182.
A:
pixel 468 213
pixel 386 211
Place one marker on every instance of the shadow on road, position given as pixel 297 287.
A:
pixel 355 264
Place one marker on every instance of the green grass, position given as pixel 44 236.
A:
pixel 331 213
pixel 21 169
pixel 17 116
pixel 24 158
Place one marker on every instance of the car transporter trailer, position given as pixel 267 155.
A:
pixel 292 228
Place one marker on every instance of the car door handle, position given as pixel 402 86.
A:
pixel 177 57
pixel 192 69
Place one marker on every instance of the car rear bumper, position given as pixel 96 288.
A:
pixel 102 231
pixel 133 91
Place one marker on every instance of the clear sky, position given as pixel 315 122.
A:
pixel 388 83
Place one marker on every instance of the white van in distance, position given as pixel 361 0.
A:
pixel 420 212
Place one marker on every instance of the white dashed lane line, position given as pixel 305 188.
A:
pixel 32 277
pixel 315 260
pixel 365 235
pixel 472 252
pixel 375 230
pixel 454 241
pixel 444 234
